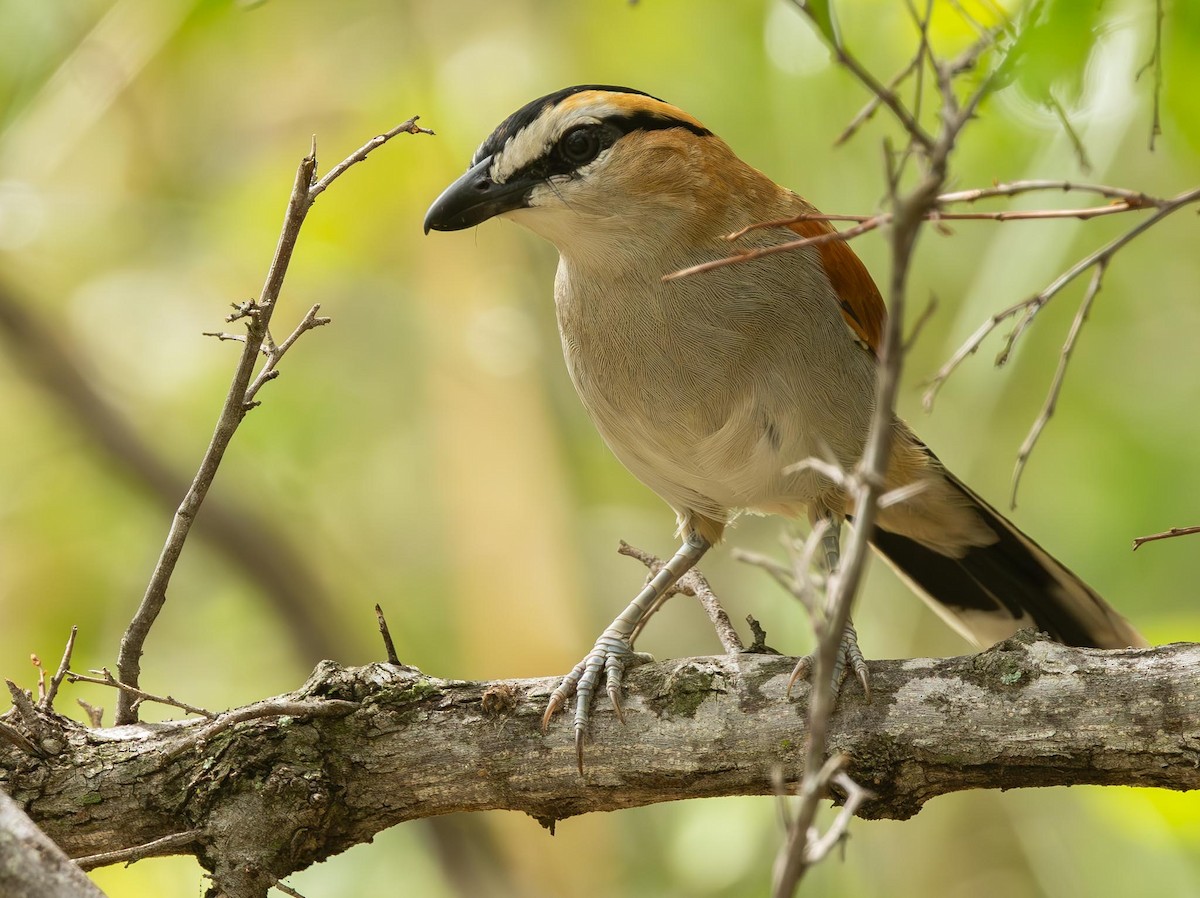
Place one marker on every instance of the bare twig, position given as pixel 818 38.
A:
pixel 158 848
pixel 693 583
pixel 1125 201
pixel 388 645
pixel 1031 306
pixel 287 890
pixel 37 663
pixel 868 111
pixel 1135 198
pixel 866 482
pixel 698 585
pixel 1064 122
pixel 887 97
pixel 820 846
pixel 1166 534
pixel 923 319
pixel 1155 63
pixel 95 714
pixel 406 127
pixel 137 696
pixel 275 352
pixel 1056 385
pixel 796 578
pixel 258 313
pixel 220 335
pixel 748 255
pixel 47 701
pixel 45 741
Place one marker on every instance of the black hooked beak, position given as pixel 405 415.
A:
pixel 474 198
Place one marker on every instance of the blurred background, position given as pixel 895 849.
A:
pixel 426 450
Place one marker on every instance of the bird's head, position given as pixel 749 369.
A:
pixel 583 161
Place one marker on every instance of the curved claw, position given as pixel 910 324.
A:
pixel 848 656
pixel 799 672
pixel 612 655
pixel 557 699
pixel 564 690
pixel 855 657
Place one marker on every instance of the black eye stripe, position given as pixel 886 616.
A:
pixel 648 121
pixel 612 129
pixel 534 109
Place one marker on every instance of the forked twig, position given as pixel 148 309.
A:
pixel 137 696
pixel 240 399
pixel 47 701
pixel 1031 306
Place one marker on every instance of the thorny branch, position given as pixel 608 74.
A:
pixel 238 402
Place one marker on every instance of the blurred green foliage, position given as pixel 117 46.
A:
pixel 426 450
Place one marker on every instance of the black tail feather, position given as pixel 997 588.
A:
pixel 992 591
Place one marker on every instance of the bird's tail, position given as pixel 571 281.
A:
pixel 992 591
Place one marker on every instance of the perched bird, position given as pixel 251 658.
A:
pixel 710 388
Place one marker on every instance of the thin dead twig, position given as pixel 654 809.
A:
pixel 47 701
pixel 95 714
pixel 907 213
pixel 887 97
pixel 748 255
pixel 872 105
pixel 693 583
pixel 1060 374
pixel 1155 63
pixel 1126 201
pixel 1037 185
pixel 306 188
pixel 275 352
pixel 157 848
pixel 45 740
pixel 386 634
pixel 286 889
pixel 820 846
pixel 1166 534
pixel 137 696
pixel 1031 306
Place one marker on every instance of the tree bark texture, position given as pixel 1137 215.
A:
pixel 31 865
pixel 262 791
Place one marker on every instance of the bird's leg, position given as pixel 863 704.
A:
pixel 848 652
pixel 613 651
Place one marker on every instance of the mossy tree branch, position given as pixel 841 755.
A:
pixel 263 791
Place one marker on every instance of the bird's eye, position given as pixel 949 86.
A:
pixel 581 145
